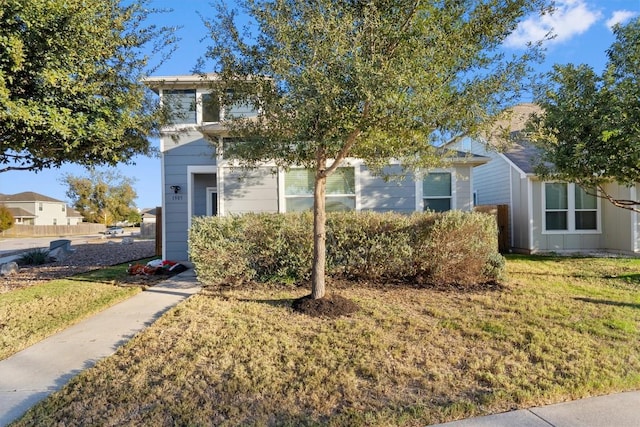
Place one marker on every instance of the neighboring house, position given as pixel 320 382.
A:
pixel 198 181
pixel 148 216
pixel 31 208
pixel 550 216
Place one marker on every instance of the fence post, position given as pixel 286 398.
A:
pixel 158 231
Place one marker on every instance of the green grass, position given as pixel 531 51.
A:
pixel 28 315
pixel 560 329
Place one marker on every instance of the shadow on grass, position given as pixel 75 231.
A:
pixel 607 302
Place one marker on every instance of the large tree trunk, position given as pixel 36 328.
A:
pixel 319 231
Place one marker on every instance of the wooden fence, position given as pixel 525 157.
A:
pixel 24 230
pixel 501 212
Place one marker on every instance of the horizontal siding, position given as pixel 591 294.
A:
pixel 378 195
pixel 250 191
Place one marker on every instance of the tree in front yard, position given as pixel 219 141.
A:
pixel 70 89
pixel 590 125
pixel 6 219
pixel 102 196
pixel 379 80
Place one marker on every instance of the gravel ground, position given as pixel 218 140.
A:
pixel 86 257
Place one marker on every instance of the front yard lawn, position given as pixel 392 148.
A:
pixel 30 314
pixel 559 329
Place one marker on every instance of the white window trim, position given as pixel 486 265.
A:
pixel 282 197
pixel 420 190
pixel 211 193
pixel 191 171
pixel 571 210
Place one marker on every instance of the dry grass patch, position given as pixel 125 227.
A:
pixel 30 314
pixel 559 329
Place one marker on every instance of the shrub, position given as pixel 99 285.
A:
pixel 427 248
pixel 6 218
pixel 34 257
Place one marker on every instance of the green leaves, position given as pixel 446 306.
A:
pixel 70 87
pixel 346 78
pixel 590 129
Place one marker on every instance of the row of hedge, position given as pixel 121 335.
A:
pixel 425 248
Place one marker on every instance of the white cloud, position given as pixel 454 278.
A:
pixel 571 18
pixel 620 17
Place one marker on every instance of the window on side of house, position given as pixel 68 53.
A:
pixel 340 196
pixel 181 104
pixel 210 108
pixel 569 207
pixel 436 191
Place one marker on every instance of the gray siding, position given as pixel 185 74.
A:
pixel 380 196
pixel 250 191
pixel 464 195
pixel 191 149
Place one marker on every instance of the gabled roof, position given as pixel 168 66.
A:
pixel 20 213
pixel 27 196
pixel 519 151
pixel 72 213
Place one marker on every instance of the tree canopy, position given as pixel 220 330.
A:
pixel 590 126
pixel 378 80
pixel 102 196
pixel 6 218
pixel 70 89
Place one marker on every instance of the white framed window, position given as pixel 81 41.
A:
pixel 212 201
pixel 437 191
pixel 181 104
pixel 567 207
pixel 210 108
pixel 340 193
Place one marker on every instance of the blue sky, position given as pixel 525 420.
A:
pixel 582 29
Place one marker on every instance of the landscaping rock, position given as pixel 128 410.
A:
pixel 127 240
pixel 9 268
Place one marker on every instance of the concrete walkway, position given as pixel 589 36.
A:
pixel 615 410
pixel 34 373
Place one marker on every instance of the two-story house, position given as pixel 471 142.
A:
pixel 197 180
pixel 31 208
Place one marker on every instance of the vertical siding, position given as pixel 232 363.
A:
pixel 191 149
pixel 376 194
pixel 464 195
pixel 253 190
pixel 520 208
pixel 199 192
pixel 617 223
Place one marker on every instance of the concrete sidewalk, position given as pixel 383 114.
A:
pixel 615 410
pixel 34 373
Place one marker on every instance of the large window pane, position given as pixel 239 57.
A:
pixel 340 204
pixel 210 108
pixel 556 220
pixel 556 195
pixel 437 205
pixel 586 220
pixel 585 200
pixel 298 182
pixel 437 185
pixel 298 204
pixel 181 104
pixel 342 181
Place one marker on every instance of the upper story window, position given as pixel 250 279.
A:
pixel 436 191
pixel 210 108
pixel 569 207
pixel 340 195
pixel 181 104
pixel 40 207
